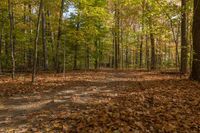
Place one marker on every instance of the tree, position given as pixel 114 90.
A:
pixel 117 34
pixel 152 39
pixel 11 17
pixel 100 33
pixel 45 58
pixel 58 49
pixel 195 75
pixel 1 41
pixel 36 42
pixel 184 47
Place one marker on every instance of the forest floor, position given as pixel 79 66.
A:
pixel 100 101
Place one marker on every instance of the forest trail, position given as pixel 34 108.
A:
pixel 123 101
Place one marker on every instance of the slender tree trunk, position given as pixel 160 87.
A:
pixel 141 51
pixel 191 49
pixel 184 48
pixel 1 41
pixel 126 56
pixel 118 38
pixel 100 56
pixel 76 45
pixel 153 51
pixel 6 51
pixel 195 75
pixel 64 59
pixel 152 40
pixel 45 58
pixel 30 54
pixel 52 40
pixel 96 55
pixel 147 54
pixel 142 38
pixel 36 42
pixel 175 39
pixel 25 33
pixel 153 55
pixel 137 52
pixel 117 32
pixel 113 51
pixel 122 43
pixel 75 56
pixel 59 37
pixel 0 51
pixel 87 57
pixel 10 9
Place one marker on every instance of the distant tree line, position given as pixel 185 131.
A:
pixel 60 35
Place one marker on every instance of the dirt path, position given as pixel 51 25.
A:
pixel 15 110
pixel 83 92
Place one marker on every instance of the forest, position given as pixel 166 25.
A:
pixel 100 66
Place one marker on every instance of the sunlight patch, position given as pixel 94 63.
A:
pixel 66 92
pixel 29 106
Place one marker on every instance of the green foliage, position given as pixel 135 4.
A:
pixel 91 21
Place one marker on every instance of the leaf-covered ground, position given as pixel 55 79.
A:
pixel 100 102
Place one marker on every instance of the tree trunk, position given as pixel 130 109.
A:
pixel 6 50
pixel 25 33
pixel 64 59
pixel 10 9
pixel 52 40
pixel 45 58
pixel 153 55
pixel 195 75
pixel 59 37
pixel 122 43
pixel 87 57
pixel 184 48
pixel 147 54
pixel 113 51
pixel 30 52
pixel 96 55
pixel 75 56
pixel 1 41
pixel 141 51
pixel 0 51
pixel 126 57
pixel 36 42
pixel 117 34
pixel 76 45
pixel 142 37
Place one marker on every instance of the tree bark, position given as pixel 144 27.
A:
pixel 142 37
pixel 147 53
pixel 75 56
pixel 87 57
pixel 184 48
pixel 117 35
pixel 59 37
pixel 141 51
pixel 45 58
pixel 30 51
pixel 64 59
pixel 195 75
pixel 0 51
pixel 36 42
pixel 153 55
pixel 96 54
pixel 1 41
pixel 76 45
pixel 10 9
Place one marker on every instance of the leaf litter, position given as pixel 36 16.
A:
pixel 101 102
